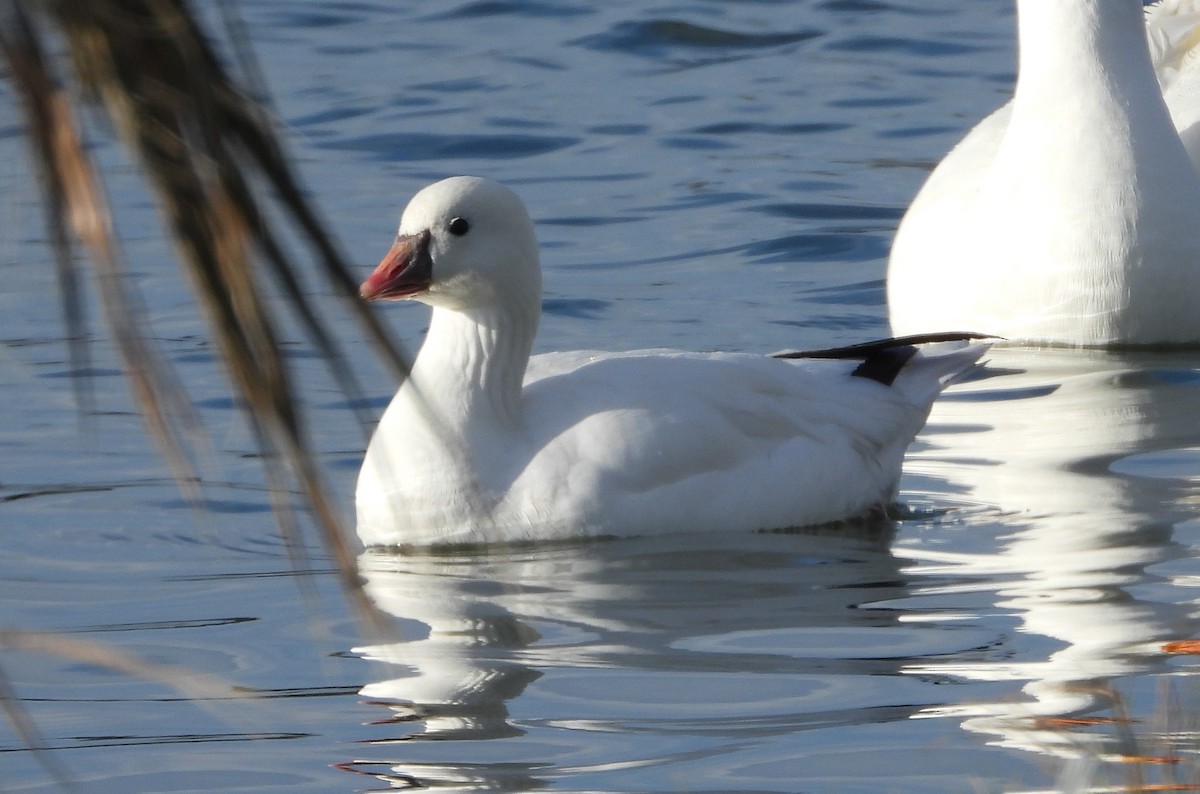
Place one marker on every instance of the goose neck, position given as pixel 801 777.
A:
pixel 1069 45
pixel 473 363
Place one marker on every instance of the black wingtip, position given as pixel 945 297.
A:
pixel 865 349
pixel 883 366
pixel 883 359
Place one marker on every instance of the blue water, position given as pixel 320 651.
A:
pixel 708 175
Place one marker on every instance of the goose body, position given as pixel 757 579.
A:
pixel 1071 215
pixel 483 443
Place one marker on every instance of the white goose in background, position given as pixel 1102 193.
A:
pixel 1071 215
pixel 484 444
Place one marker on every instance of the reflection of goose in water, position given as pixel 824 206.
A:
pixel 1042 443
pixel 562 656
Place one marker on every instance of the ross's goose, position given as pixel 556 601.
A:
pixel 484 444
pixel 1071 215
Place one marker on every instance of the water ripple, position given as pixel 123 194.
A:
pixel 498 8
pixel 746 128
pixel 824 212
pixel 580 308
pixel 399 147
pixel 819 247
pixel 658 37
pixel 923 47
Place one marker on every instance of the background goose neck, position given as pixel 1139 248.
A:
pixel 1073 45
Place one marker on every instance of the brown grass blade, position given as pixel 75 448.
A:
pixel 211 156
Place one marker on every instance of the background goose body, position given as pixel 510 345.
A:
pixel 1072 214
pixel 484 444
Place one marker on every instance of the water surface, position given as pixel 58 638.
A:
pixel 709 175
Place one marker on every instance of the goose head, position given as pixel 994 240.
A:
pixel 464 243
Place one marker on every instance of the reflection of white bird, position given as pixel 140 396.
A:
pixel 476 447
pixel 1071 214
pixel 588 647
pixel 1076 537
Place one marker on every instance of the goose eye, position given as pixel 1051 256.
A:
pixel 458 226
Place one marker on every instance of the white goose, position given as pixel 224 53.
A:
pixel 1071 215
pixel 484 444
